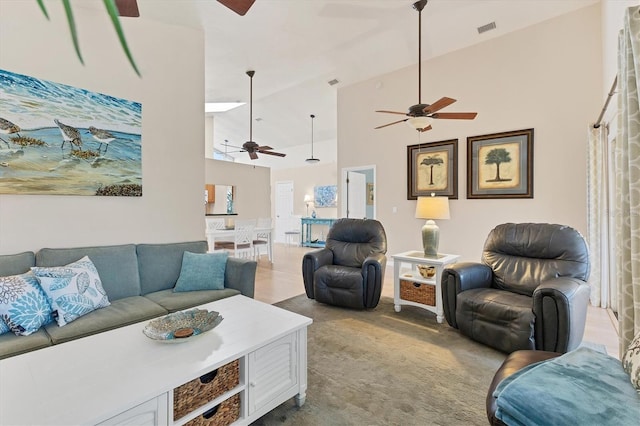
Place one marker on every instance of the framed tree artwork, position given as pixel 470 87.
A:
pixel 432 168
pixel 500 165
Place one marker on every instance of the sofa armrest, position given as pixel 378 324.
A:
pixel 373 269
pixel 560 306
pixel 310 263
pixel 240 274
pixel 460 277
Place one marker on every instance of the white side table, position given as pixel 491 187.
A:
pixel 405 268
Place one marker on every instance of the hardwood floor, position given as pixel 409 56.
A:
pixel 283 279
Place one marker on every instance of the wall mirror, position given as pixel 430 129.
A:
pixel 219 199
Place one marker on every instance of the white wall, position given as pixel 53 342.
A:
pixel 252 187
pixel 171 91
pixel 548 77
pixel 305 178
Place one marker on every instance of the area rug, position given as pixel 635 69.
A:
pixel 380 367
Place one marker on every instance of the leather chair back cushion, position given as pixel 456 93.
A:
pixel 353 240
pixel 526 254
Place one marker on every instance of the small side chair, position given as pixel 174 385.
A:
pixel 349 270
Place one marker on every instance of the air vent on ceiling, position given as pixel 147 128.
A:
pixel 488 27
pixel 258 119
pixel 333 82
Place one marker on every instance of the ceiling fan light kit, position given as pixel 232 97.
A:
pixel 420 115
pixel 312 159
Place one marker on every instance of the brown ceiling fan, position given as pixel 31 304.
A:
pixel 419 114
pixel 250 146
pixel 129 8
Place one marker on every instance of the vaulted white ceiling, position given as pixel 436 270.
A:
pixel 297 46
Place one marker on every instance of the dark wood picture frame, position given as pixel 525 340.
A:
pixel 432 167
pixel 500 165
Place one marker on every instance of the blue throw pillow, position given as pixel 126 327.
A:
pixel 73 290
pixel 3 327
pixel 202 271
pixel 23 305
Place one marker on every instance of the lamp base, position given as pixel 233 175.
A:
pixel 430 238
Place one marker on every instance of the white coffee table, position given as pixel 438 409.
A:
pixel 123 377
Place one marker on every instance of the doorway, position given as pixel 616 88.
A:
pixel 283 209
pixel 354 190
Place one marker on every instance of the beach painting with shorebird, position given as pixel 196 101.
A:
pixel 60 139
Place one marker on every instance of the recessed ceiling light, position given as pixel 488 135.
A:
pixel 221 106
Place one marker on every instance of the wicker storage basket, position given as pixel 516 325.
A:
pixel 418 292
pixel 223 414
pixel 206 388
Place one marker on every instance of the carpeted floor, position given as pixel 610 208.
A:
pixel 380 367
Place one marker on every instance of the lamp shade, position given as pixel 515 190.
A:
pixel 432 208
pixel 308 198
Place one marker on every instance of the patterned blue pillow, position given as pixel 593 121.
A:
pixel 73 290
pixel 3 326
pixel 23 305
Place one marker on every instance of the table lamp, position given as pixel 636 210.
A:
pixel 308 199
pixel 431 208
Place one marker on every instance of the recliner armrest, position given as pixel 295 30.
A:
pixel 311 261
pixel 560 306
pixel 460 277
pixel 373 277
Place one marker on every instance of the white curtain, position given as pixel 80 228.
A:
pixel 627 171
pixel 598 211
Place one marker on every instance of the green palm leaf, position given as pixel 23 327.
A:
pixel 113 13
pixel 72 28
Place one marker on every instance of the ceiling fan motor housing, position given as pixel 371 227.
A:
pixel 417 110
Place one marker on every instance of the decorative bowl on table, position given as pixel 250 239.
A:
pixel 181 326
pixel 426 271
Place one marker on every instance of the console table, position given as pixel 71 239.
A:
pixel 406 274
pixel 122 377
pixel 307 223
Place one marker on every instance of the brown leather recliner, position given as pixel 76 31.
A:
pixel 529 292
pixel 349 270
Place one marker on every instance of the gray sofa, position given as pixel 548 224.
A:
pixel 138 279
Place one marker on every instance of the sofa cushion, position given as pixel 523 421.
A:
pixel 202 271
pixel 120 313
pixel 160 264
pixel 14 264
pixel 116 265
pixel 73 290
pixel 11 345
pixel 497 318
pixel 173 301
pixel 24 307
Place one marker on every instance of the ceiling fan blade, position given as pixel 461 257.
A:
pixel 392 112
pixel 456 115
pixel 253 155
pixel 128 8
pixel 241 7
pixel 390 124
pixel 438 105
pixel 277 154
pixel 424 129
pixel 261 148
